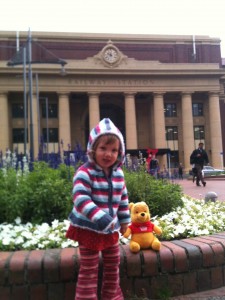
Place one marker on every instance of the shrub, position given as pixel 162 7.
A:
pixel 45 194
pixel 49 193
pixel 8 187
pixel 39 196
pixel 161 196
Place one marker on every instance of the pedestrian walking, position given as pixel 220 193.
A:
pixel 180 171
pixel 199 157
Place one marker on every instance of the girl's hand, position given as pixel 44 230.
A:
pixel 123 228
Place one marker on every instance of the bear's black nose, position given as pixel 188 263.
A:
pixel 142 214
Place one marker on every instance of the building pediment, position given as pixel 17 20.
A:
pixel 111 59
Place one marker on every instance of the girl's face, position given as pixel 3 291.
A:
pixel 106 154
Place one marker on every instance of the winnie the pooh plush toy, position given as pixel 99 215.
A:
pixel 142 229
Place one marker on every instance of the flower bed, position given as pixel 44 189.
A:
pixel 194 219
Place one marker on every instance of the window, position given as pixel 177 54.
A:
pixel 17 110
pixel 52 110
pixel 171 133
pixel 52 135
pixel 199 132
pixel 18 135
pixel 197 109
pixel 170 110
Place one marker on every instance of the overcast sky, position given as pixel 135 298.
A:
pixel 191 17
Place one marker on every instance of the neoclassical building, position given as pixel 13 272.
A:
pixel 163 92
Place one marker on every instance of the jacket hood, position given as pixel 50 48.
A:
pixel 106 126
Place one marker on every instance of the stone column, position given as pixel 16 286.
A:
pixel 130 122
pixel 94 110
pixel 64 121
pixel 159 128
pixel 187 127
pixel 215 130
pixel 4 123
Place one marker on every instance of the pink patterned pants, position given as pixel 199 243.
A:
pixel 87 283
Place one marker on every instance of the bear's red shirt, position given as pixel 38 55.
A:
pixel 141 227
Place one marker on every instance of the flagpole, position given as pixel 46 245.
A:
pixel 25 100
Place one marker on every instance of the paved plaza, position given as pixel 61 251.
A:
pixel 199 192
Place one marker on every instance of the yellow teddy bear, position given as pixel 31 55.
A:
pixel 142 229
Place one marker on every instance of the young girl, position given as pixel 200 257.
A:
pixel 100 211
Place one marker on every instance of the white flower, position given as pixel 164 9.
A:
pixel 179 229
pixel 55 224
pixel 69 243
pixel 18 220
pixel 40 246
pixel 43 227
pixel 27 234
pixel 18 240
pixel 6 240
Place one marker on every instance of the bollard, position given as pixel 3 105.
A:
pixel 210 196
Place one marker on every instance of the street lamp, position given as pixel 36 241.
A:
pixel 25 101
pixel 17 60
pixel 30 97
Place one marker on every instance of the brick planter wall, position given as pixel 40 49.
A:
pixel 181 267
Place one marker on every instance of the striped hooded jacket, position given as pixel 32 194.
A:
pixel 100 201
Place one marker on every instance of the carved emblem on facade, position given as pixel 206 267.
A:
pixel 110 56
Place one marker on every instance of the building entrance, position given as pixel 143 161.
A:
pixel 114 113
